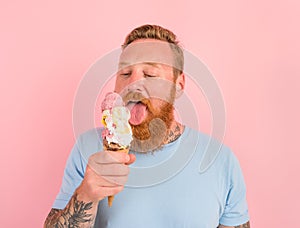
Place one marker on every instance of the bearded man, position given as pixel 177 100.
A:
pixel 150 78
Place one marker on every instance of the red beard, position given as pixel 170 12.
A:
pixel 150 135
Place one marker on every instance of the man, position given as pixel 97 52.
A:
pixel 149 79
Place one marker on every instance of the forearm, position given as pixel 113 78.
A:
pixel 77 213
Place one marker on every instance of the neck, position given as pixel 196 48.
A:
pixel 176 129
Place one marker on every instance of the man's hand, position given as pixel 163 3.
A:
pixel 105 175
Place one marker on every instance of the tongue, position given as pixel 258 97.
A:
pixel 137 114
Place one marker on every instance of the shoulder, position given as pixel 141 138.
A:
pixel 90 135
pixel 89 142
pixel 211 151
pixel 89 138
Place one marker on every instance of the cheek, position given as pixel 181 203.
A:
pixel 119 85
pixel 162 94
pixel 157 104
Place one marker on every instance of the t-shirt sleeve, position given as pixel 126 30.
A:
pixel 236 208
pixel 73 175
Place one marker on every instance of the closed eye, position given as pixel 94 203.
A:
pixel 149 75
pixel 125 74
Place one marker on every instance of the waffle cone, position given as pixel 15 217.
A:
pixel 111 198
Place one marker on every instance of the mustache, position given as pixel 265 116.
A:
pixel 135 97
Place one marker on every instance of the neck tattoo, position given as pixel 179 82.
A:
pixel 174 132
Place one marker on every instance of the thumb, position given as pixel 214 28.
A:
pixel 132 159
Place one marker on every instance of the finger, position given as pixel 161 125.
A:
pixel 132 159
pixel 94 179
pixel 112 169
pixel 119 156
pixel 116 180
pixel 107 157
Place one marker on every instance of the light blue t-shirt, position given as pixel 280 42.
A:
pixel 162 192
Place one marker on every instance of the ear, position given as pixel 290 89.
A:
pixel 180 85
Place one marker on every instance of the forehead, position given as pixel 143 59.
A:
pixel 147 65
pixel 152 52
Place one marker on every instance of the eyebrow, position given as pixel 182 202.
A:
pixel 124 64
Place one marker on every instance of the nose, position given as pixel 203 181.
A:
pixel 136 75
pixel 136 81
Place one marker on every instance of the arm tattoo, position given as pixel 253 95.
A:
pixel 75 215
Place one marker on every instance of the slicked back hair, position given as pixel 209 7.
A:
pixel 159 33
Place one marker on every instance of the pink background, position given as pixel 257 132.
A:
pixel 251 47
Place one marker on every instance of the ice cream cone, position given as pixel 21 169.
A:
pixel 111 198
pixel 117 134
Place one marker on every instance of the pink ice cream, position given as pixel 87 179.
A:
pixel 111 100
pixel 115 118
